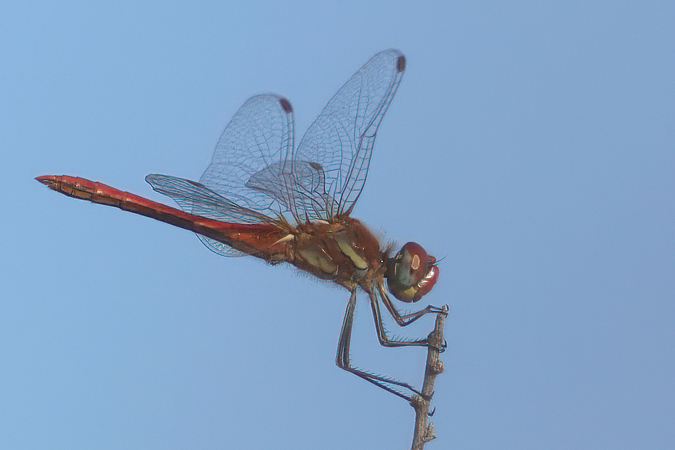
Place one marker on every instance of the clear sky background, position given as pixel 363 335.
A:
pixel 531 144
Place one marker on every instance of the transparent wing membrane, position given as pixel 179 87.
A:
pixel 256 177
pixel 341 139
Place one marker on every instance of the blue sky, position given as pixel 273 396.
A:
pixel 530 144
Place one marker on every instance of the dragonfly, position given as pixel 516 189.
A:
pixel 263 197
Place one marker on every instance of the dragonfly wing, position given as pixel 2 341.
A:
pixel 340 141
pixel 219 247
pixel 300 187
pixel 256 143
pixel 199 200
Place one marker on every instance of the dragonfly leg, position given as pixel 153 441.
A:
pixel 405 319
pixel 343 361
pixel 385 340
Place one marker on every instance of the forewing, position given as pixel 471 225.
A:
pixel 340 141
pixel 255 144
pixel 259 136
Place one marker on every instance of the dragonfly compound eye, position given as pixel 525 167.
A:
pixel 412 273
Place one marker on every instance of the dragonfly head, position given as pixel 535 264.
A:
pixel 412 273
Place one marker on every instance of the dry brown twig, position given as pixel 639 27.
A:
pixel 424 429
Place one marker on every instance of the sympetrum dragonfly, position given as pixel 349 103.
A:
pixel 262 197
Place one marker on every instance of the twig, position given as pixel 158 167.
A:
pixel 424 430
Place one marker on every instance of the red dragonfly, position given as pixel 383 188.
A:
pixel 263 197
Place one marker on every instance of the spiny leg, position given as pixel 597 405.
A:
pixel 385 340
pixel 405 319
pixel 343 362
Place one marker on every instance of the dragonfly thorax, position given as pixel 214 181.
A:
pixel 344 251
